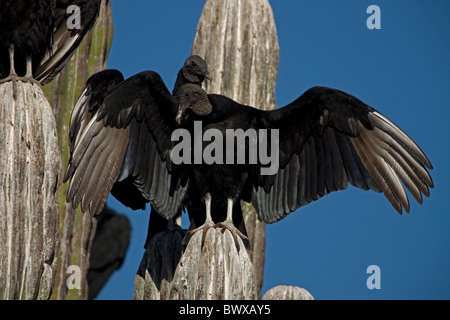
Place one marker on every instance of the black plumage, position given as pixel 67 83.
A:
pixel 194 71
pixel 326 140
pixel 66 40
pixel 35 39
pixel 26 29
pixel 142 151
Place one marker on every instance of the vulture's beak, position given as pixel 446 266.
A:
pixel 208 75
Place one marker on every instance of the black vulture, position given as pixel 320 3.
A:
pixel 67 38
pixel 319 143
pixel 97 88
pixel 36 40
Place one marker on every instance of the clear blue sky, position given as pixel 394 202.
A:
pixel 402 70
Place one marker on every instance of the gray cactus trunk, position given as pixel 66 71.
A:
pixel 30 166
pixel 41 235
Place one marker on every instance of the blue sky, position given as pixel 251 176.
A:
pixel 402 70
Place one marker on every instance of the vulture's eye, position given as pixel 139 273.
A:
pixel 194 64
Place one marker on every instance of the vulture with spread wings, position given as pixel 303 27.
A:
pixel 326 140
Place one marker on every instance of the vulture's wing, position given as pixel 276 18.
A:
pixel 124 149
pixel 97 88
pixel 328 138
pixel 67 35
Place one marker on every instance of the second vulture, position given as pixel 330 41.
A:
pixel 38 37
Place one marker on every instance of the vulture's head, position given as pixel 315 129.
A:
pixel 195 69
pixel 192 100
